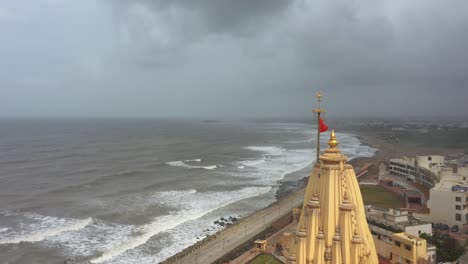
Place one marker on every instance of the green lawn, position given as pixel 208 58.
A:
pixel 263 259
pixel 378 196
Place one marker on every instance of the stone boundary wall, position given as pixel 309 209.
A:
pixel 219 244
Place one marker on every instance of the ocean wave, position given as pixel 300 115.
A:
pixel 275 163
pixel 193 160
pixel 352 147
pixel 300 141
pixel 251 163
pixel 124 173
pixel 191 205
pixel 35 228
pixel 16 161
pixel 270 150
pixel 96 181
pixel 180 163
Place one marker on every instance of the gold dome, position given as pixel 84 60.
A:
pixel 332 142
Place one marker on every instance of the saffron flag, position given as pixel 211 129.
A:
pixel 322 126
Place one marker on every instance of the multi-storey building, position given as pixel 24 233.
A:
pixel 422 169
pixel 384 223
pixel 409 249
pixel 448 202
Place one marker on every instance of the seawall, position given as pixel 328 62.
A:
pixel 219 244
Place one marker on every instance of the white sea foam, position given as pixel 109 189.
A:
pixel 276 162
pixel 252 163
pixel 97 237
pixel 34 228
pixel 180 163
pixel 193 160
pixel 352 147
pixel 300 141
pixel 270 150
pixel 191 206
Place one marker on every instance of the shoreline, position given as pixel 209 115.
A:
pixel 293 182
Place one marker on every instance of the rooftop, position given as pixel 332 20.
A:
pixel 455 182
pixel 404 160
pixel 380 217
pixel 407 236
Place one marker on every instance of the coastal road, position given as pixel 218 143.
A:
pixel 223 242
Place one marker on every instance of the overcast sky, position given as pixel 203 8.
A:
pixel 233 58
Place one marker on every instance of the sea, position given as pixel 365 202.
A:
pixel 139 191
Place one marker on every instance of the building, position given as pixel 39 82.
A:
pixel 421 169
pixel 409 249
pixel 332 227
pixel 448 202
pixel 383 223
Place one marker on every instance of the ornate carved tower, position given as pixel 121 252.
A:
pixel 332 228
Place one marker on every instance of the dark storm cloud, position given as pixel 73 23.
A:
pixel 236 58
pixel 242 16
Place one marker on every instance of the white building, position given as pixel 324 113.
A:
pixel 448 202
pixel 384 223
pixel 422 169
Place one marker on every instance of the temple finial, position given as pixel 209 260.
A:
pixel 319 96
pixel 332 142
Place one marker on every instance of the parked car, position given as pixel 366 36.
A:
pixel 454 228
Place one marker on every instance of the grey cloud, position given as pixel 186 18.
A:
pixel 236 58
pixel 225 16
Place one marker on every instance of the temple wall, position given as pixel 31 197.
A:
pixel 217 245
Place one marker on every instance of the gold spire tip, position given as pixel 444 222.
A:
pixel 332 142
pixel 319 95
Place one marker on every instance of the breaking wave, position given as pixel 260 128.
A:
pixel 191 205
pixel 193 160
pixel 34 227
pixel 185 165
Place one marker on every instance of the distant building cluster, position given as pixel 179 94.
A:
pixel 421 126
pixel 447 178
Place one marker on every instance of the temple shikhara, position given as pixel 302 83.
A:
pixel 332 227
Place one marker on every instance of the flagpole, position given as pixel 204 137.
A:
pixel 318 110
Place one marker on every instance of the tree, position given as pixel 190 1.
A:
pixel 448 249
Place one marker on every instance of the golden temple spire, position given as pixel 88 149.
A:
pixel 332 142
pixel 332 227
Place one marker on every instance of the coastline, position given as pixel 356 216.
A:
pixel 293 181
